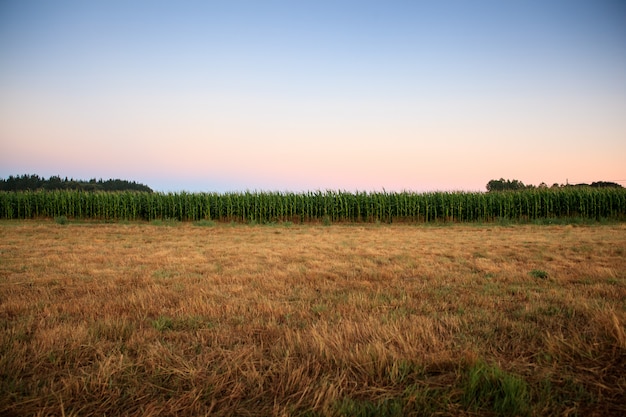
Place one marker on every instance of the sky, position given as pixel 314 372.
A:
pixel 271 95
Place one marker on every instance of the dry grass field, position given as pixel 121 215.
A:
pixel 346 320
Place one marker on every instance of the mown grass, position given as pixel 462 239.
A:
pixel 339 320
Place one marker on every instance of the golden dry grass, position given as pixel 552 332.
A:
pixel 140 319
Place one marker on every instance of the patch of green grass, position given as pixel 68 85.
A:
pixel 426 401
pixel 165 222
pixel 163 274
pixel 416 400
pixel 554 394
pixel 62 220
pixel 400 372
pixel 164 323
pixel 319 309
pixel 360 408
pixel 488 388
pixel 538 273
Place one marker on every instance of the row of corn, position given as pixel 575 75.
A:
pixel 335 206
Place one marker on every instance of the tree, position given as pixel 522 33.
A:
pixel 605 184
pixel 505 185
pixel 55 182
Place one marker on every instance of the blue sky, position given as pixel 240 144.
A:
pixel 277 95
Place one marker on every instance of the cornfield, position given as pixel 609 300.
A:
pixel 317 206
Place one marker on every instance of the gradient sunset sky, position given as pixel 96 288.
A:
pixel 307 95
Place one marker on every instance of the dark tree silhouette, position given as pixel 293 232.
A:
pixel 514 185
pixel 505 185
pixel 55 182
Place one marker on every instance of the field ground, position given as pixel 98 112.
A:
pixel 179 319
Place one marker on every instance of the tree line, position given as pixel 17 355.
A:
pixel 35 182
pixel 516 185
